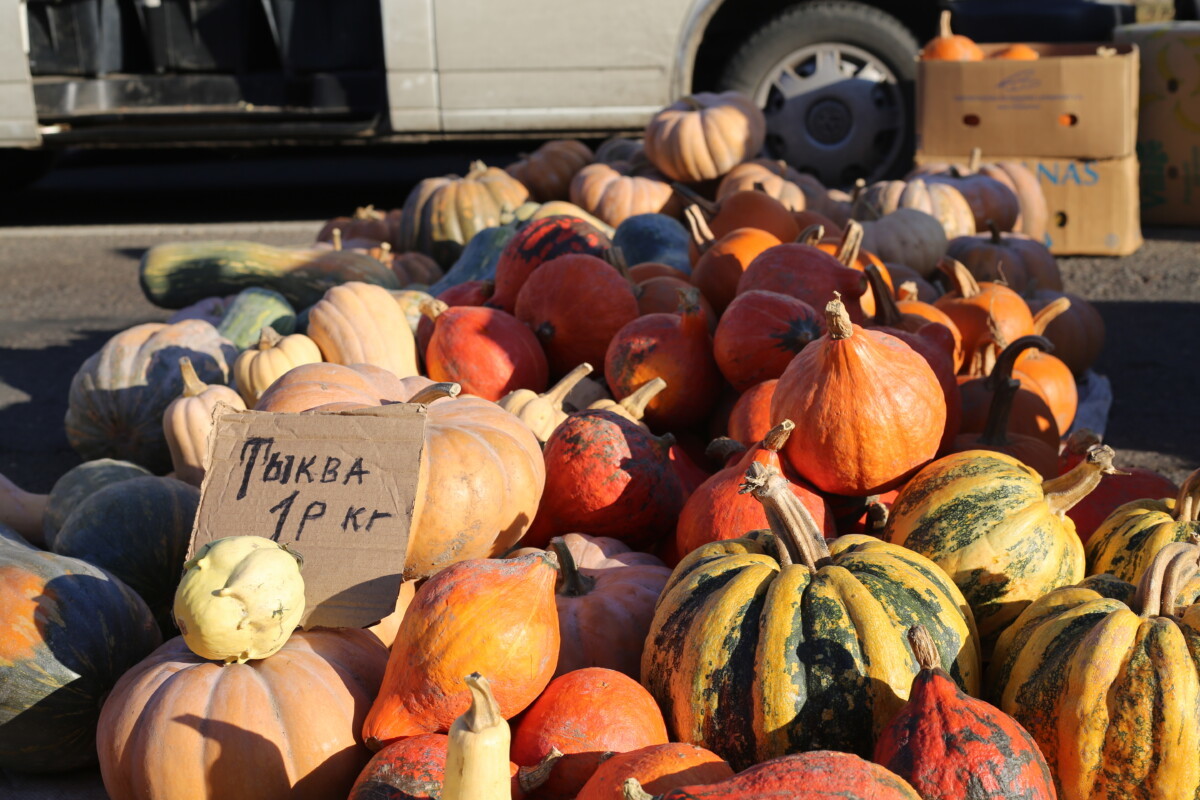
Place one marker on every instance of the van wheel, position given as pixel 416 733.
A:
pixel 19 168
pixel 834 80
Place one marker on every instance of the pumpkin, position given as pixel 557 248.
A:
pixel 921 289
pixel 660 295
pixel 250 310
pixel 1102 671
pixel 750 418
pixel 1022 180
pixel 999 529
pixel 537 243
pixel 639 273
pixel 366 223
pixel 178 726
pixel 1077 333
pixel 760 333
pixel 619 148
pixel 907 236
pixel 722 262
pixel 1030 413
pixel 633 406
pixel 240 598
pixel 442 214
pixel 718 510
pixel 414 268
pixel 478 259
pixel 22 511
pixel 70 630
pixel 467 293
pixel 258 367
pixel 992 202
pixel 913 318
pixel 847 249
pixel 117 398
pixel 482 471
pixel 657 768
pixel 948 46
pixel 78 483
pixel 744 209
pixel 703 136
pixel 209 309
pixel 1016 52
pixel 504 621
pixel 722 657
pixel 941 201
pixel 547 171
pixel 542 413
pixel 654 237
pixel 951 746
pixel 575 305
pixel 139 530
pixel 807 273
pixel 908 305
pixel 796 191
pixel 1052 376
pixel 1010 258
pixel 607 476
pixel 486 350
pixel 616 191
pixel 675 347
pixel 357 323
pixel 983 310
pixel 852 438
pixel 1128 540
pixel 188 421
pixel 585 714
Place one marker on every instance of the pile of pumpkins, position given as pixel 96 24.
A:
pixel 733 486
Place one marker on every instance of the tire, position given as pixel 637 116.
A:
pixel 804 129
pixel 19 168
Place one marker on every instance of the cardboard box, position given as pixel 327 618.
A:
pixel 1168 142
pixel 1092 204
pixel 1076 101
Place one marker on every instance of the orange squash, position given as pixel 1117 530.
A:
pixel 948 46
pixel 847 249
pixel 744 209
pixel 486 350
pixel 658 768
pixel 660 295
pixel 1031 413
pixel 909 305
pixel 750 418
pixel 1050 373
pixel 1016 52
pixel 1077 333
pixel 982 311
pixel 480 614
pixel 759 335
pixel 805 272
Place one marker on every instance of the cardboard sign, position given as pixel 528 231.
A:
pixel 337 488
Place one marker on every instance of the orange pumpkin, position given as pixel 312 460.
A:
pixel 547 171
pixel 847 249
pixel 658 768
pixel 720 266
pixel 653 269
pixel 1031 414
pixel 744 209
pixel 1016 52
pixel 1077 333
pixel 703 136
pixel 660 295
pixel 805 272
pixel 1049 372
pixel 485 614
pixel 486 350
pixel 750 418
pixel 179 727
pixel 948 46
pixel 982 311
pixel 760 333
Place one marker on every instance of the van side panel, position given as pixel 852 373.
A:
pixel 411 59
pixel 18 116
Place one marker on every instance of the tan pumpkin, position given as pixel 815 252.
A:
pixel 614 192
pixel 542 413
pixel 633 406
pixel 797 191
pixel 703 136
pixel 547 171
pixel 908 236
pixel 1023 181
pixel 939 200
pixel 259 367
pixel 188 420
pixel 359 323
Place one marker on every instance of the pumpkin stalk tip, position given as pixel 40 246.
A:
pixel 192 385
pixel 1063 492
pixel 436 391
pixel 837 319
pixel 632 790
pixel 268 337
pixel 530 779
pixel 924 648
pixel 484 711
pixel 777 437
pixel 791 523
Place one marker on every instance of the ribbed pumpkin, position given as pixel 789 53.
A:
pixel 759 335
pixel 703 136
pixel 991 201
pixel 1020 262
pixel 1077 333
pixel 997 528
pixel 258 367
pixel 538 242
pixel 179 727
pixel 188 421
pixel 657 769
pixel 1105 679
pixel 948 46
pixel 724 660
pixel 907 236
pixel 547 171
pixel 482 471
pixel 606 476
pixel 941 201
pixel 951 746
pixel 806 273
pixel 983 310
pixel 605 595
pixel 442 214
pixel 869 411
pixel 68 631
pixel 359 323
pixel 676 348
pixel 619 190
pixel 796 191
pixel 586 714
pixel 1126 542
pixel 575 305
pixel 718 510
pixel 750 418
pixel 487 614
pixel 722 262
pixel 118 396
pixel 488 351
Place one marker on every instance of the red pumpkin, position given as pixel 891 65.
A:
pixel 658 768
pixel 660 295
pixel 807 273
pixel 487 351
pixel 468 293
pixel 951 746
pixel 538 242
pixel 575 305
pixel 585 714
pixel 750 418
pixel 760 333
pixel 676 348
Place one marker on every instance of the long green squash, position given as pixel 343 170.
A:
pixel 178 273
pixel 252 310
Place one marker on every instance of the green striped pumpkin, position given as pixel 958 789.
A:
pixel 770 644
pixel 997 528
pixel 1106 678
pixel 252 310
pixel 80 482
pixel 1128 539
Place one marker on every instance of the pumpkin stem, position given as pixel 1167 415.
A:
pixel 1187 503
pixel 887 313
pixel 691 102
pixel 976 159
pixel 632 790
pixel 484 711
pixel 1065 491
pixel 1006 362
pixel 961 279
pixel 385 248
pixel 877 514
pixel 850 245
pixel 777 437
pixel 994 229
pixel 574 583
pixel 1079 441
pixel 268 337
pixel 721 449
pixel 435 391
pixel 908 292
pixel 811 236
pixel 787 516
pixel 1169 571
pixel 944 25
pixel 192 385
pixel 923 648
pixel 337 238
pixel 433 308
pixel 1052 311
pixel 693 197
pixel 530 779
pixel 557 393
pixel 837 319
pixel 367 212
pixel 702 235
pixel 995 429
pixel 476 169
pixel 635 403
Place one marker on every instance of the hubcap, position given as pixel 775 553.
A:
pixel 833 110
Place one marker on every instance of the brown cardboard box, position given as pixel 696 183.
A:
pixel 1168 143
pixel 1093 204
pixel 1076 101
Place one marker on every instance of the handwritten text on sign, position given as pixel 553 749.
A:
pixel 339 488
